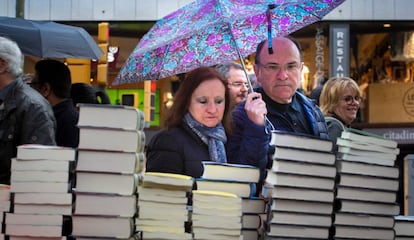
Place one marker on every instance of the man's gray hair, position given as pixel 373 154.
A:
pixel 224 68
pixel 10 51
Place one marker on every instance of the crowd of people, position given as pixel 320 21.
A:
pixel 215 115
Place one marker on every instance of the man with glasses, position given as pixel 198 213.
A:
pixel 25 116
pixel 275 105
pixel 236 81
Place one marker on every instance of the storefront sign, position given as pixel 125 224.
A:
pixel 319 56
pixel 339 50
pixel 400 135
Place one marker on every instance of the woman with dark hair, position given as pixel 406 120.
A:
pixel 86 93
pixel 195 128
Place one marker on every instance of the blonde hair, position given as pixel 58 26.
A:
pixel 332 92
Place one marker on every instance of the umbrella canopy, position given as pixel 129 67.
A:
pixel 208 32
pixel 47 39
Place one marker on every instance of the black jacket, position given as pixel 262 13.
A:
pixel 25 117
pixel 177 150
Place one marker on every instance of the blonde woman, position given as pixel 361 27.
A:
pixel 339 102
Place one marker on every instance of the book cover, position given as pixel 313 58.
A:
pixel 366 146
pixel 34 219
pixel 168 235
pixel 408 183
pixel 111 139
pixel 61 209
pixel 296 180
pixel 283 231
pixel 363 220
pixel 367 137
pixel 251 221
pixel 306 194
pixel 253 205
pixel 365 194
pixel 112 183
pixel 42 198
pixel 164 195
pixel 369 182
pixel 227 171
pixel 367 169
pixel 367 153
pixel 40 187
pixel 301 206
pixel 302 141
pixel 33 230
pixel 107 161
pixel 41 165
pixel 302 155
pixel 167 180
pixel 105 204
pixel 404 225
pixel 303 219
pixel 303 168
pixel 102 226
pixel 366 159
pixel 363 232
pixel 365 207
pixel 45 152
pixel 111 116
pixel 39 176
pixel 241 189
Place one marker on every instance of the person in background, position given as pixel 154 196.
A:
pixel 53 81
pixel 339 102
pixel 28 77
pixel 25 116
pixel 316 92
pixel 236 81
pixel 275 105
pixel 195 128
pixel 86 93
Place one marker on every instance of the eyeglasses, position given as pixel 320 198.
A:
pixel 239 84
pixel 276 68
pixel 349 99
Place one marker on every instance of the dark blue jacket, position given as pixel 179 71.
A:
pixel 178 150
pixel 249 143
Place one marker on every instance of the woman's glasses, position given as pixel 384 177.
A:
pixel 349 99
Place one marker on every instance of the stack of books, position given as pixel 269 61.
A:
pixel 110 158
pixel 242 181
pixel 163 203
pixel 4 204
pixel 367 187
pixel 254 217
pixel 404 227
pixel 41 180
pixel 303 178
pixel 216 215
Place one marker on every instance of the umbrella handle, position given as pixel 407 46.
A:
pixel 269 27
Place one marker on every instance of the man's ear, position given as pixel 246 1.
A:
pixel 46 90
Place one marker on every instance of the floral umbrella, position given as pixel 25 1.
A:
pixel 208 32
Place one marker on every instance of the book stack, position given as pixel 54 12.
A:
pixel 110 158
pixel 216 215
pixel 41 180
pixel 254 217
pixel 163 206
pixel 240 180
pixel 4 204
pixel 367 187
pixel 404 227
pixel 303 178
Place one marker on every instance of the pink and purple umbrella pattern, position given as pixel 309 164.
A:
pixel 208 32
